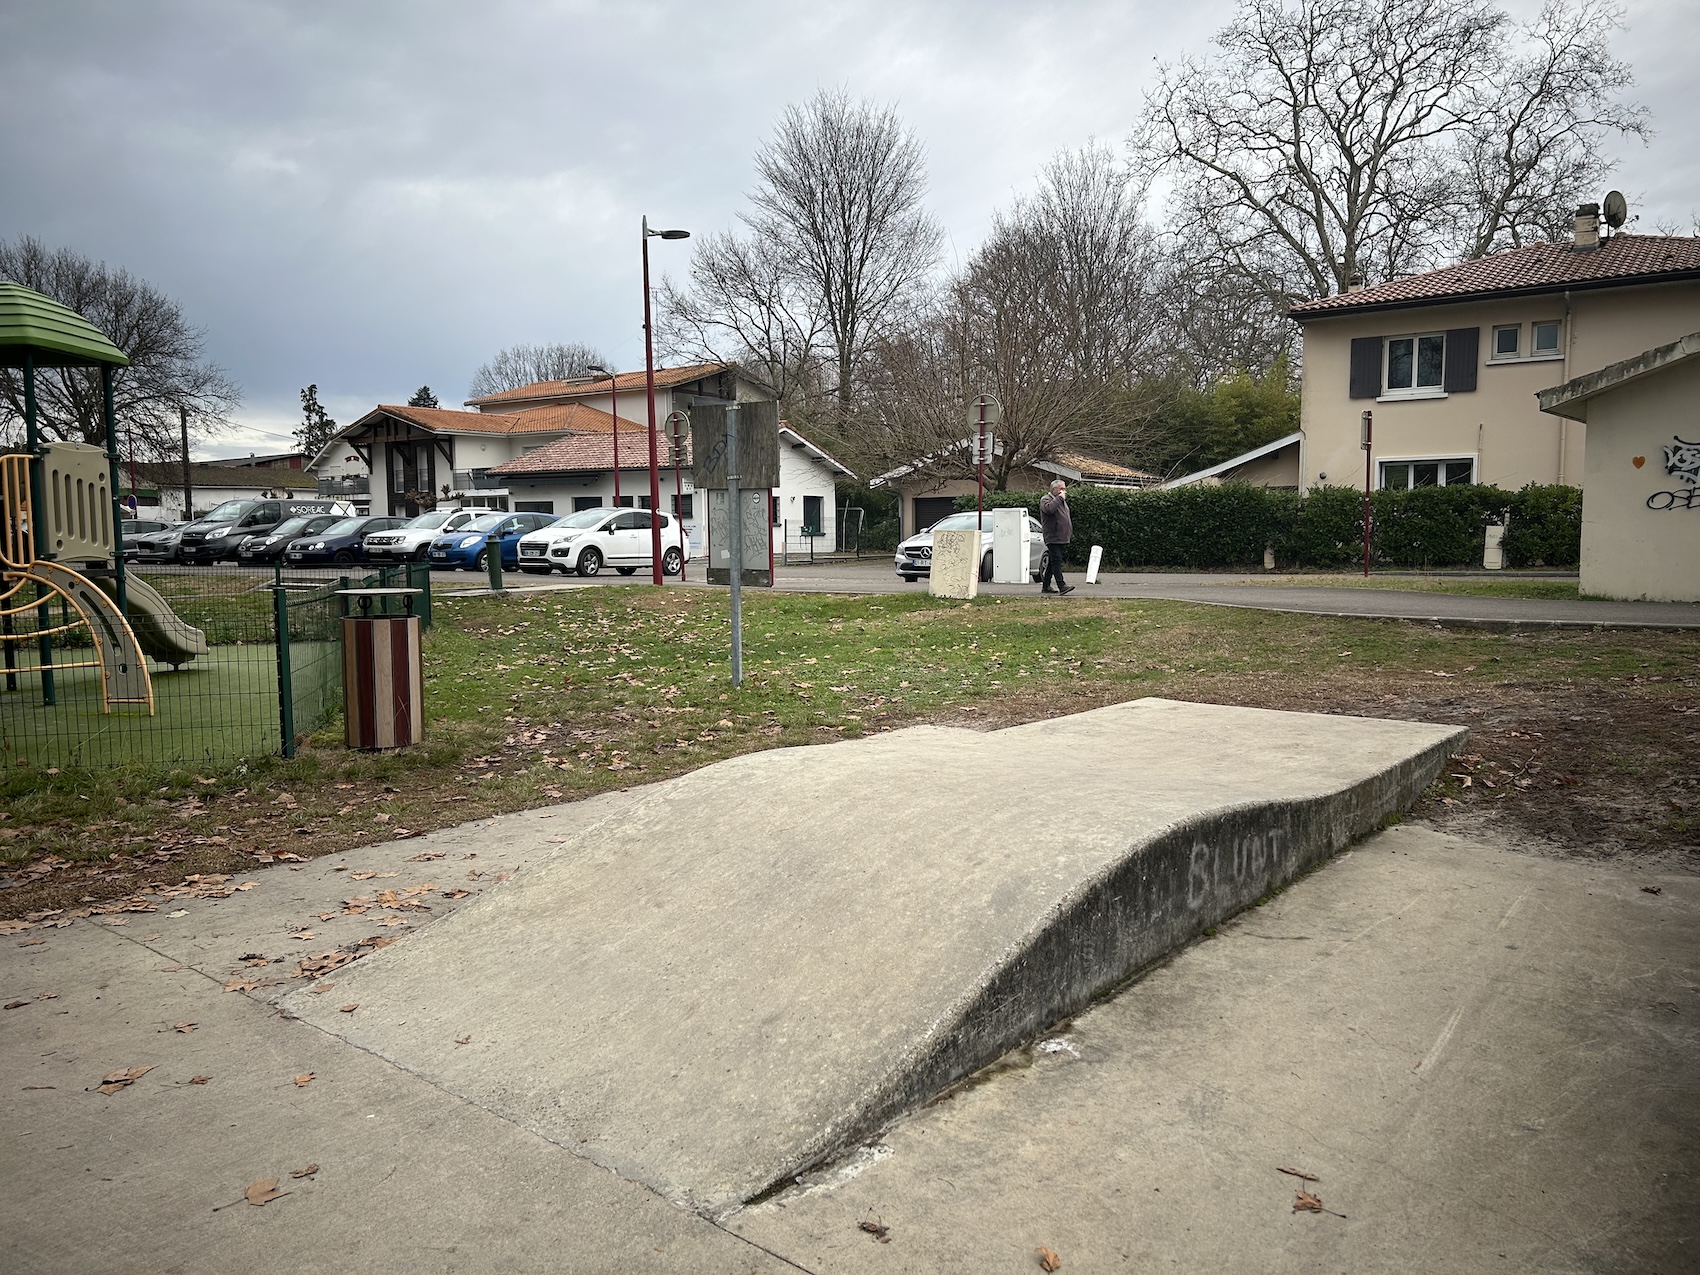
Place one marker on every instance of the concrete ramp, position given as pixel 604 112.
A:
pixel 761 963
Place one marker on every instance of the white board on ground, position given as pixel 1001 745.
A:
pixel 956 564
pixel 1009 546
pixel 1093 563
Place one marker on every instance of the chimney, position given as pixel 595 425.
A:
pixel 1587 227
pixel 1355 283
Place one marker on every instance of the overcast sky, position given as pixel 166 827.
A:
pixel 372 195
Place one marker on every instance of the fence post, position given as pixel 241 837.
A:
pixel 285 686
pixel 419 577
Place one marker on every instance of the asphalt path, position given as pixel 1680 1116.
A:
pixel 1259 592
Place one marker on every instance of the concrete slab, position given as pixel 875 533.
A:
pixel 757 965
pixel 1488 1059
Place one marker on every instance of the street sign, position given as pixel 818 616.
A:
pixel 985 448
pixel 985 410
pixel 758 445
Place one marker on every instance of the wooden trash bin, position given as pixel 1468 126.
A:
pixel 383 676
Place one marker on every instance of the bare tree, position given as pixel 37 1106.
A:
pixel 1333 139
pixel 167 371
pixel 838 247
pixel 522 365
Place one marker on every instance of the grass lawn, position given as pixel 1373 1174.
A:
pixel 1580 736
pixel 1562 590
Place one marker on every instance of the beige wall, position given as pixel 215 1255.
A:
pixel 1498 424
pixel 1628 549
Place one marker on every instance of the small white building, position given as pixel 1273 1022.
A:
pixel 1641 487
pixel 159 487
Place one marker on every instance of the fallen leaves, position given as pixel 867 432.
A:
pixel 876 1228
pixel 113 1081
pixel 1646 889
pixel 1297 1173
pixel 195 1080
pixel 16 1004
pixel 1307 1203
pixel 185 1028
pixel 240 984
pixel 307 1172
pixel 463 1040
pixel 349 1009
pixel 304 1079
pixel 1049 1259
pixel 263 1191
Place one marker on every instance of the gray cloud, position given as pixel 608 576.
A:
pixel 370 196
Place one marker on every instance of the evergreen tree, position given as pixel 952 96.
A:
pixel 422 397
pixel 316 425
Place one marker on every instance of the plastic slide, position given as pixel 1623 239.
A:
pixel 117 645
pixel 158 629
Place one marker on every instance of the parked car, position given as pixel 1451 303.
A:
pixel 154 546
pixel 269 546
pixel 217 536
pixel 587 541
pixel 468 545
pixel 340 543
pixel 134 529
pixel 413 541
pixel 915 555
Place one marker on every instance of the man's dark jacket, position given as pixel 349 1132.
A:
pixel 1054 518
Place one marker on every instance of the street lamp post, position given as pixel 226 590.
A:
pixel 614 411
pixel 649 385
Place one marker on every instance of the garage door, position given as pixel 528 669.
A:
pixel 929 509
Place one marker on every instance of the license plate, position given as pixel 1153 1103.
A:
pixel 439 553
pixel 295 557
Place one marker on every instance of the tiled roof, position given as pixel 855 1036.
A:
pixel 537 420
pixel 1541 267
pixel 1092 467
pixel 239 477
pixel 580 452
pixel 586 385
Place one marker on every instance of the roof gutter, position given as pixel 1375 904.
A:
pixel 1494 294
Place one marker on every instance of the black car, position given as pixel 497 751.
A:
pixel 217 537
pixel 269 546
pixel 341 542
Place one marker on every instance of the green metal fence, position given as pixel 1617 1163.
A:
pixel 271 673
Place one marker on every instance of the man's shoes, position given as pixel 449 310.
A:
pixel 1067 588
pixel 1047 591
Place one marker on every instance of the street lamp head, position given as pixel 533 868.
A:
pixel 674 234
pixel 598 370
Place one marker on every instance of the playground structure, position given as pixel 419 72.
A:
pixel 62 538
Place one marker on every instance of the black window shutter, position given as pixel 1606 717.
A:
pixel 1461 358
pixel 1366 366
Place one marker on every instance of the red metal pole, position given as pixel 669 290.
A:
pixel 1368 423
pixel 980 475
pixel 649 384
pixel 614 394
pixel 679 510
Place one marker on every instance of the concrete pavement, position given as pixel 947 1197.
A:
pixel 1256 591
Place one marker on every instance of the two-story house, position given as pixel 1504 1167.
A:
pixel 1449 362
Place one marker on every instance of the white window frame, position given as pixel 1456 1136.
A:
pixel 1441 458
pixel 1494 355
pixel 1526 353
pixel 1389 395
pixel 1557 351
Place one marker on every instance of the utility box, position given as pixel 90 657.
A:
pixel 1009 546
pixel 383 672
pixel 1493 550
pixel 956 564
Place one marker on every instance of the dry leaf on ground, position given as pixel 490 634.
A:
pixel 308 1172
pixel 304 1079
pixel 879 1230
pixel 185 1028
pixel 113 1081
pixel 349 1009
pixel 1049 1260
pixel 263 1191
pixel 240 985
pixel 195 1080
pixel 1297 1173
pixel 463 1040
pixel 16 1004
pixel 1307 1203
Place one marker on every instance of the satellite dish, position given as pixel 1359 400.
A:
pixel 1616 209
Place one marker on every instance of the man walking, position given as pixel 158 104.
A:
pixel 1059 530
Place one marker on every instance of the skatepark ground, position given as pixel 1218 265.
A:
pixel 1479 1059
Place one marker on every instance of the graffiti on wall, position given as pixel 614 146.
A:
pixel 1682 462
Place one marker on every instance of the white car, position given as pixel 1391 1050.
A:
pixel 915 555
pixel 591 539
pixel 413 541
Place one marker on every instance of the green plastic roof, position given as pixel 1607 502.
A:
pixel 57 335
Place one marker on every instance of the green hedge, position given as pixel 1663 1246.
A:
pixel 1230 525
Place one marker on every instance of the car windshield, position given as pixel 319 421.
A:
pixel 347 527
pixel 229 511
pixel 489 522
pixel 583 518
pixel 431 521
pixel 294 527
pixel 956 522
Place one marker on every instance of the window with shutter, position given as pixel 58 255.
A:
pixel 1462 346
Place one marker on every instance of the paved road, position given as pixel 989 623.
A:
pixel 1256 591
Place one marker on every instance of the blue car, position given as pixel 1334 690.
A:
pixel 469 547
pixel 340 543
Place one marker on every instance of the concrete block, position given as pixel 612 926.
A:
pixel 956 564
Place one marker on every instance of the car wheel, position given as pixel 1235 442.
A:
pixel 589 562
pixel 986 569
pixel 535 571
pixel 909 579
pixel 342 557
pixel 422 553
pixel 1044 565
pixel 482 562
pixel 672 562
pixel 626 571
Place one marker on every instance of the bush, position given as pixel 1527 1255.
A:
pixel 1229 525
pixel 1546 527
